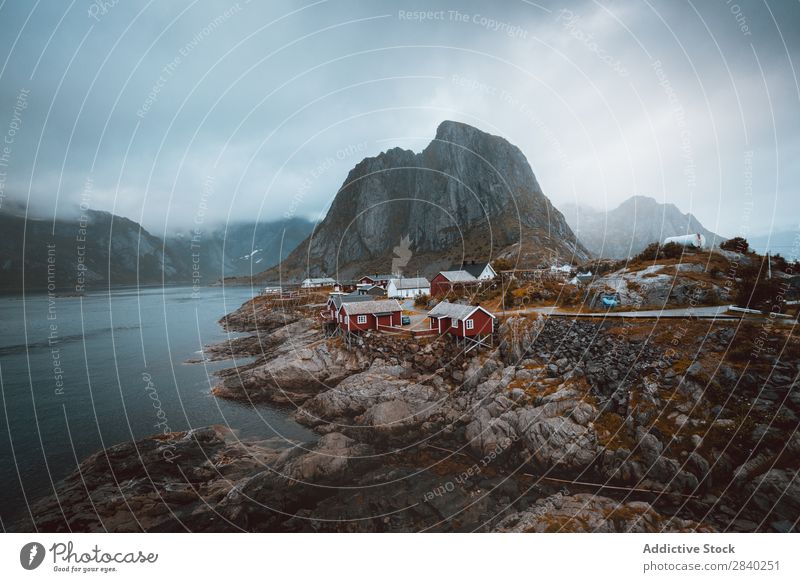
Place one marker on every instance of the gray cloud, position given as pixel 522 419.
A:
pixel 277 102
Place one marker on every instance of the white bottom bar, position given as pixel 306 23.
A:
pixel 403 557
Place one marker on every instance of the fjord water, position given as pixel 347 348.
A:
pixel 79 374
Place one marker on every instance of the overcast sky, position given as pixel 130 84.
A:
pixel 168 112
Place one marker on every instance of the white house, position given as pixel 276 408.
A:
pixel 408 287
pixel 318 282
pixel 481 271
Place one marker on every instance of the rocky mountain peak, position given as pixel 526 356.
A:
pixel 468 194
pixel 646 203
pixel 459 133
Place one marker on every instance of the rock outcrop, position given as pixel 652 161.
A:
pixel 377 405
pixel 162 483
pixel 420 437
pixel 293 366
pixel 661 285
pixel 583 513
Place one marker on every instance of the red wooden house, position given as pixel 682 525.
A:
pixel 463 321
pixel 446 281
pixel 335 301
pixel 369 315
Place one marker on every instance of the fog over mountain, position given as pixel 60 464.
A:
pixel 98 250
pixel 275 102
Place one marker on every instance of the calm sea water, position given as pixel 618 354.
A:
pixel 79 374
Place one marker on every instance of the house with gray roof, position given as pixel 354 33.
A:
pixel 369 315
pixel 464 321
pixel 408 287
pixel 482 271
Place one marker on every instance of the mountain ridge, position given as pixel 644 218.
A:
pixel 628 228
pixel 104 249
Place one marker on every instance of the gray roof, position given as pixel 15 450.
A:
pixel 474 269
pixel 454 310
pixel 374 307
pixel 378 277
pixel 458 276
pixel 348 298
pixel 411 283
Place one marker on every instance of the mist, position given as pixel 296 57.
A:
pixel 239 111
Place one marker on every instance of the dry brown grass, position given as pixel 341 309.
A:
pixel 712 261
pixel 612 432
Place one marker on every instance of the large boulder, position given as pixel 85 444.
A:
pixel 490 437
pixel 557 443
pixel 293 375
pixel 376 403
pixel 518 335
pixel 300 478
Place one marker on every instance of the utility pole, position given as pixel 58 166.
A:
pixel 503 291
pixel 769 266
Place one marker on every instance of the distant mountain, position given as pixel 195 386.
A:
pixel 630 227
pixel 238 249
pixel 67 254
pixel 467 195
pixel 106 250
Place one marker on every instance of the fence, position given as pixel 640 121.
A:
pixel 424 332
pixel 391 329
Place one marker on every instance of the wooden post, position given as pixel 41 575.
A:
pixel 503 291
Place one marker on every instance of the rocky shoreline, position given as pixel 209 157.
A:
pixel 563 426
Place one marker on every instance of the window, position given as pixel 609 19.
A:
pixel 362 319
pixel 453 322
pixel 470 324
pixel 434 323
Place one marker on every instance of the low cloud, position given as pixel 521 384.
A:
pixel 267 97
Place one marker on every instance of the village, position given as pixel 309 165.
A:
pixel 399 306
pixel 466 302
